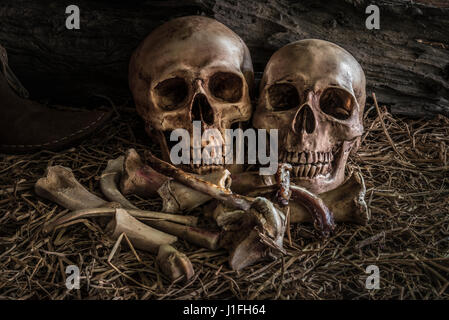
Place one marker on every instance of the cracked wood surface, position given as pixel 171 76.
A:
pixel 406 62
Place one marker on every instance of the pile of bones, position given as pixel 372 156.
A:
pixel 196 69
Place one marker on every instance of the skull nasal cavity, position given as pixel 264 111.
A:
pixel 304 120
pixel 201 110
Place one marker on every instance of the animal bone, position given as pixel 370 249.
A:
pixel 138 178
pixel 247 182
pixel 314 205
pixel 60 185
pixel 250 249
pixel 109 180
pixel 346 202
pixel 321 215
pixel 214 191
pixel 142 180
pixel 173 263
pixel 141 236
pixel 263 221
pixel 204 238
pixel 255 235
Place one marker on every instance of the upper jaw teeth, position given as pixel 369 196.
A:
pixel 206 164
pixel 308 163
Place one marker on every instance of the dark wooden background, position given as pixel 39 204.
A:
pixel 406 62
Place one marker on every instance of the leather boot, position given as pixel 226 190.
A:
pixel 27 126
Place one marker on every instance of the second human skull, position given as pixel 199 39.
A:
pixel 313 92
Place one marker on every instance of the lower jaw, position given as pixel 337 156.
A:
pixel 320 184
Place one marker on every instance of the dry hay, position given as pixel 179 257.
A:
pixel 405 165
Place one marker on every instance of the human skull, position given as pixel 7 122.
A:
pixel 191 69
pixel 313 91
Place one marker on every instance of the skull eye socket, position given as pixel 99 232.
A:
pixel 171 92
pixel 283 96
pixel 226 86
pixel 337 103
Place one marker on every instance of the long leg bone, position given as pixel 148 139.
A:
pixel 247 182
pixel 60 185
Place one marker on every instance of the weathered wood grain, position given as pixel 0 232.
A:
pixel 406 61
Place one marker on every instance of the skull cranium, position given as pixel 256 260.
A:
pixel 313 91
pixel 191 69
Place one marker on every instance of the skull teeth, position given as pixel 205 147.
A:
pixel 311 170
pixel 206 165
pixel 308 163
